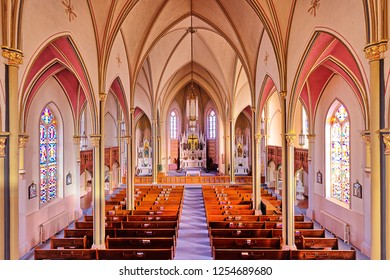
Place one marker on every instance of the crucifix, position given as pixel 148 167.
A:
pixel 192 140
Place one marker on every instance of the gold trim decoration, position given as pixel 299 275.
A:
pixel 3 142
pixel 311 137
pixel 23 139
pixel 95 139
pixel 290 139
pixel 102 96
pixel 14 56
pixel 77 139
pixel 386 140
pixel 375 51
pixel 367 139
pixel 128 139
pixel 283 94
pixel 258 138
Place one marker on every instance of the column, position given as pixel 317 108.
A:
pixel 98 194
pixel 311 174
pixel 367 143
pixel 129 179
pixel 386 140
pixel 366 244
pixel 231 150
pixel 77 142
pixel 257 174
pixel 23 139
pixel 374 53
pixel 3 142
pixel 289 193
pixel 11 196
pixel 154 150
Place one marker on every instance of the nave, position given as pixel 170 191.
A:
pixel 194 233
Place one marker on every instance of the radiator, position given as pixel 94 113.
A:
pixel 54 225
pixel 336 226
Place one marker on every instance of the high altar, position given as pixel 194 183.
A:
pixel 241 163
pixel 144 159
pixel 193 141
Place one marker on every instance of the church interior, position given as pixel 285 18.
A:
pixel 125 124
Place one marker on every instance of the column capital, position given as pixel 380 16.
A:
pixel 253 108
pixel 366 136
pixel 311 137
pixel 14 56
pixel 375 50
pixel 23 139
pixel 283 94
pixel 258 138
pixel 3 143
pixel 132 110
pixel 95 139
pixel 76 139
pixel 290 137
pixel 128 139
pixel 386 139
pixel 103 96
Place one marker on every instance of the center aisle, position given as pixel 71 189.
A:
pixel 193 242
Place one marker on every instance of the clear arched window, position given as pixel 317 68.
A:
pixel 339 155
pixel 212 121
pixel 48 156
pixel 173 125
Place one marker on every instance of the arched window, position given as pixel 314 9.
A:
pixel 173 125
pixel 211 121
pixel 339 155
pixel 48 156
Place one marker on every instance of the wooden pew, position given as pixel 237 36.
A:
pixel 140 243
pixel 155 232
pixel 236 224
pixel 135 254
pixel 312 254
pixel 241 233
pixel 244 243
pixel 68 243
pixel 331 243
pixel 150 224
pixel 251 254
pixel 64 254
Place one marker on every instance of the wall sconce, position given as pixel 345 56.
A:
pixel 302 139
pixel 84 141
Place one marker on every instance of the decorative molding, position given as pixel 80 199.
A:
pixel 290 139
pixel 386 140
pixel 311 137
pixel 127 139
pixel 77 139
pixel 95 139
pixel 266 56
pixel 366 138
pixel 14 56
pixel 103 96
pixel 376 50
pixel 69 9
pixel 3 142
pixel 314 6
pixel 258 138
pixel 283 94
pixel 23 139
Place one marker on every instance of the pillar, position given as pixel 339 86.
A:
pixel 311 175
pixel 3 142
pixel 130 175
pixel 154 151
pixel 23 139
pixel 231 151
pixel 374 52
pixel 76 182
pixel 11 178
pixel 289 193
pixel 386 140
pixel 257 173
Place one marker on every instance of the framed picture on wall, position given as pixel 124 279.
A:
pixel 357 190
pixel 319 177
pixel 32 190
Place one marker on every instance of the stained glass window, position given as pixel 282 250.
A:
pixel 212 120
pixel 173 125
pixel 48 156
pixel 340 161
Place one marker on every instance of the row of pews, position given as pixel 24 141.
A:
pixel 237 232
pixel 149 232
